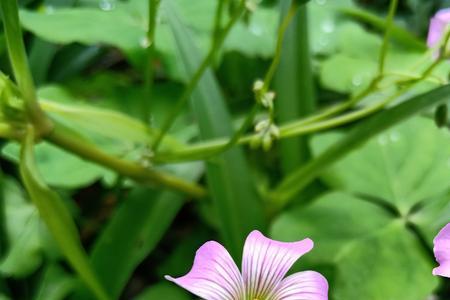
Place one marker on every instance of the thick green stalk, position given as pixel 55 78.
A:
pixel 19 63
pixel 167 124
pixel 295 87
pixel 69 141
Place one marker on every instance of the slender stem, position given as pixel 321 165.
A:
pixel 196 152
pixel 149 72
pixel 218 20
pixel 68 140
pixel 19 62
pixel 167 124
pixel 281 33
pixel 384 47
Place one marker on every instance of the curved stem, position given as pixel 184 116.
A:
pixel 68 140
pixel 281 33
pixel 196 152
pixel 19 63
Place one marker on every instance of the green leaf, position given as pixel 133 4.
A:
pixel 105 121
pixel 294 86
pixel 354 73
pixel 357 62
pixel 135 229
pixel 25 232
pixel 124 27
pixel 55 284
pixel 59 167
pixel 163 290
pixel 228 175
pixel 402 166
pixel 357 137
pixel 57 217
pixel 373 255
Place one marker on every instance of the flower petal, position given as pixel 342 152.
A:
pixel 438 25
pixel 307 285
pixel 214 275
pixel 442 252
pixel 265 263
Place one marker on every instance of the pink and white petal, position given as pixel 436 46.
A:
pixel 214 275
pixel 442 252
pixel 265 262
pixel 306 285
pixel 436 32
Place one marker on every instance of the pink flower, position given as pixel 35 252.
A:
pixel 442 252
pixel 438 26
pixel 215 276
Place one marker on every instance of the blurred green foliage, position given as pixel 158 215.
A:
pixel 373 214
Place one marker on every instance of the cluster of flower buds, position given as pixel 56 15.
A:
pixel 265 98
pixel 266 133
pixel 266 130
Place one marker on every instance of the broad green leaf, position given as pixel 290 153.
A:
pixel 59 167
pixel 119 27
pixel 325 24
pixel 55 284
pixel 135 229
pixel 163 290
pixel 354 73
pixel 228 175
pixel 402 166
pixel 123 25
pixel 26 234
pixel 57 217
pixel 331 222
pixel 354 139
pixel 373 255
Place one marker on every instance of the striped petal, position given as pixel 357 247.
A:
pixel 307 285
pixel 214 275
pixel 265 263
pixel 442 252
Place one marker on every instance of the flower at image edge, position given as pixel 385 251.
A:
pixel 265 263
pixel 438 26
pixel 442 252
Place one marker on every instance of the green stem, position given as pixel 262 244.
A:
pixel 68 140
pixel 281 33
pixel 167 124
pixel 149 72
pixel 19 63
pixel 297 128
pixel 360 134
pixel 384 47
pixel 218 20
